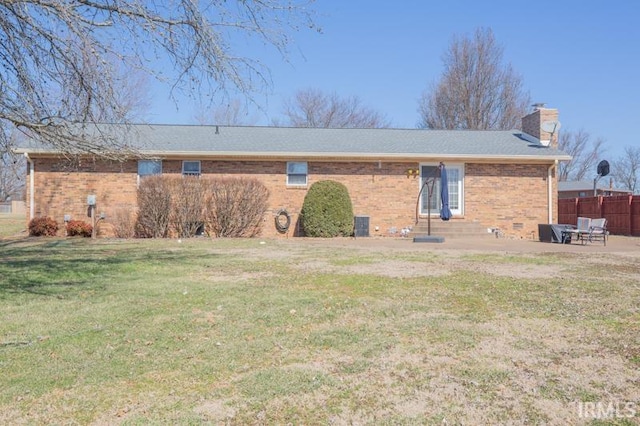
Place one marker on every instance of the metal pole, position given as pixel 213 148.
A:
pixel 429 183
pixel 93 221
pixel 429 191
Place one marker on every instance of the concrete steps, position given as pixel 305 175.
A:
pixel 450 229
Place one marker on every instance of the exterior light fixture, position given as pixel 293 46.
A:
pixel 412 172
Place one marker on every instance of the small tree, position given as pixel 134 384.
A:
pixel 327 210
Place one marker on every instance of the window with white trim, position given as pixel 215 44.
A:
pixel 149 167
pixel 191 168
pixel 297 173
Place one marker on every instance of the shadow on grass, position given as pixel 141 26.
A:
pixel 57 267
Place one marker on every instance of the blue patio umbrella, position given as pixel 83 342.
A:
pixel 445 213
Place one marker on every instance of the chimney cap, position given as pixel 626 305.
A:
pixel 538 105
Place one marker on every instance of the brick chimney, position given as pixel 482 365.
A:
pixel 532 126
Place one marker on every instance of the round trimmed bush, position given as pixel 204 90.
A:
pixel 78 228
pixel 43 227
pixel 327 210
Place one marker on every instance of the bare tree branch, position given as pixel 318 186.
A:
pixel 231 114
pixel 60 60
pixel 12 167
pixel 585 152
pixel 626 169
pixel 313 108
pixel 476 91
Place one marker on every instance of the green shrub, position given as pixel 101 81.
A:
pixel 43 227
pixel 327 210
pixel 78 228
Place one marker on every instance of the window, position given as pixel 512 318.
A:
pixel 149 167
pixel 191 168
pixel 297 173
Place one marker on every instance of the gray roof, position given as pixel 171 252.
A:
pixel 240 141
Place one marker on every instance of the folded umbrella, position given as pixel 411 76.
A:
pixel 445 213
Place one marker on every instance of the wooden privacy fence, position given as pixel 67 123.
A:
pixel 622 212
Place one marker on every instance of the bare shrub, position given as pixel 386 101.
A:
pixel 154 207
pixel 124 223
pixel 182 205
pixel 235 207
pixel 187 207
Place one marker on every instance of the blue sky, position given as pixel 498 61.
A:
pixel 582 57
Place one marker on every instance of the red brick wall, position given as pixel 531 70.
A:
pixel 377 190
pixel 512 197
pixel 503 196
pixel 62 188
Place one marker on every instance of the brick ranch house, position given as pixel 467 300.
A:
pixel 499 179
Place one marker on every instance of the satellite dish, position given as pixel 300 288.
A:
pixel 603 168
pixel 550 126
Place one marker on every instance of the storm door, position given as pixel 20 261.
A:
pixel 455 175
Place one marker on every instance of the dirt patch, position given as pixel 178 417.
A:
pixel 391 268
pixel 621 253
pixel 615 244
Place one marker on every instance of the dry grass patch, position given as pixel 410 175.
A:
pixel 238 332
pixel 12 225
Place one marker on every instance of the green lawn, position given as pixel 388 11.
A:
pixel 12 225
pixel 277 332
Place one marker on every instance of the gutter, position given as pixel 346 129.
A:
pixel 335 155
pixel 31 185
pixel 550 191
pixel 350 156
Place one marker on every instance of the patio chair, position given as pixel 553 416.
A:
pixel 581 231
pixel 598 230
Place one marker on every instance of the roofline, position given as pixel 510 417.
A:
pixel 346 156
pixel 354 155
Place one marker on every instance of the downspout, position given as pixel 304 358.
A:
pixel 31 185
pixel 550 191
